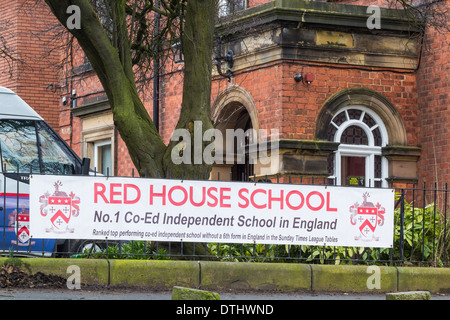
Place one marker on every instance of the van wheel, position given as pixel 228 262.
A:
pixel 86 246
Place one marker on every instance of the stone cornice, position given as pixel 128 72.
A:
pixel 318 32
pixel 315 12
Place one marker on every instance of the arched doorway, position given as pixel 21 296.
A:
pixel 234 115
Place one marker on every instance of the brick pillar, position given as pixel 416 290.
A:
pixel 433 83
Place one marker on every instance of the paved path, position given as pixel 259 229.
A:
pixel 65 294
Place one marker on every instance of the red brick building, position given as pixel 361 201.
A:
pixel 31 69
pixel 370 107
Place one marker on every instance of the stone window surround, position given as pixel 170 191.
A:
pixel 402 158
pixel 97 125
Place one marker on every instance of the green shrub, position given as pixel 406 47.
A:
pixel 420 245
pixel 141 250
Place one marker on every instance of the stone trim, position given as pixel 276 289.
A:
pixel 370 99
pixel 402 162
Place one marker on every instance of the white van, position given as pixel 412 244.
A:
pixel 28 145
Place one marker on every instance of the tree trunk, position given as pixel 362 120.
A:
pixel 112 64
pixel 197 45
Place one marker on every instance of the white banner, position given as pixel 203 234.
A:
pixel 74 207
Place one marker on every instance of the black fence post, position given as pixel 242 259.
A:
pixel 445 224
pixel 16 227
pixel 4 208
pixel 413 219
pixel 438 251
pixel 423 221
pixel 402 219
pixel 434 221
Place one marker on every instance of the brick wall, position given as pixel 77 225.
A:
pixel 281 102
pixel 24 26
pixel 293 107
pixel 264 86
pixel 420 97
pixel 8 23
pixel 254 3
pixel 433 87
pixel 433 83
pixel 171 97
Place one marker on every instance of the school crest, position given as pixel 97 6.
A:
pixel 60 208
pixel 367 217
pixel 20 223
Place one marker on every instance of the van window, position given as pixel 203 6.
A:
pixel 54 159
pixel 32 147
pixel 19 146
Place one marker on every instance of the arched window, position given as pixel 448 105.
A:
pixel 358 160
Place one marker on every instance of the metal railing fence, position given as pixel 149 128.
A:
pixel 421 236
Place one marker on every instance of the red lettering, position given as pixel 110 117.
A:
pixel 328 204
pixel 288 197
pixel 252 197
pixel 224 197
pixel 125 193
pixel 113 193
pixel 245 205
pixel 213 197
pixel 178 203
pixel 276 199
pixel 322 201
pixel 99 192
pixel 154 194
pixel 191 198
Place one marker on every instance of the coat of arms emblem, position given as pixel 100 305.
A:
pixel 60 207
pixel 367 217
pixel 20 223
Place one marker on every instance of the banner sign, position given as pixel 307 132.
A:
pixel 74 207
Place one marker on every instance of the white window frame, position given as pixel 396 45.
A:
pixel 367 151
pixel 96 146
